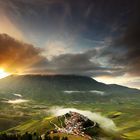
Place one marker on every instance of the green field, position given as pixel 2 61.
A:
pixel 120 104
pixel 125 116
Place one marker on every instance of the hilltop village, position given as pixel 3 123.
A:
pixel 75 124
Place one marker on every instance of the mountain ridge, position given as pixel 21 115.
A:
pixel 63 88
pixel 64 75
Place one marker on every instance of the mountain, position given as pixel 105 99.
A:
pixel 57 88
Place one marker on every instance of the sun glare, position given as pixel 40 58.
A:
pixel 3 73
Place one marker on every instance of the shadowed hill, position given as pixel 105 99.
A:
pixel 62 87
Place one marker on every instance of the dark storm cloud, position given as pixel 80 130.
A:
pixel 93 19
pixel 36 15
pixel 16 55
pixel 81 63
pixel 125 50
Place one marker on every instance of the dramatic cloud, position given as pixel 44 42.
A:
pixel 96 38
pixel 7 25
pixel 55 48
pixel 86 63
pixel 124 51
pixel 131 43
pixel 90 19
pixel 15 56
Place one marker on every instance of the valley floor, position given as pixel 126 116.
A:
pixel 124 114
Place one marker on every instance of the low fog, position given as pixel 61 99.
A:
pixel 105 123
pixel 16 101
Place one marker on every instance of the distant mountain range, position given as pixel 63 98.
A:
pixel 57 88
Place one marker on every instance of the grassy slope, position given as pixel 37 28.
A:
pixel 128 121
pixel 70 137
pixel 43 125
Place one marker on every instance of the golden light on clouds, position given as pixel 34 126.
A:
pixel 15 56
pixel 3 73
pixel 6 26
pixel 55 48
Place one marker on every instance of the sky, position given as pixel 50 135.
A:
pixel 96 38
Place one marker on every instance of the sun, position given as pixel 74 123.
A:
pixel 3 73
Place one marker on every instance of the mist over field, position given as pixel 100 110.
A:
pixel 16 101
pixel 104 122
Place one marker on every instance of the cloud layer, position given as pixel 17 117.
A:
pixel 105 123
pixel 85 63
pixel 15 56
pixel 125 49
pixel 87 37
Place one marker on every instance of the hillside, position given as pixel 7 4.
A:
pixel 72 123
pixel 28 100
pixel 62 87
